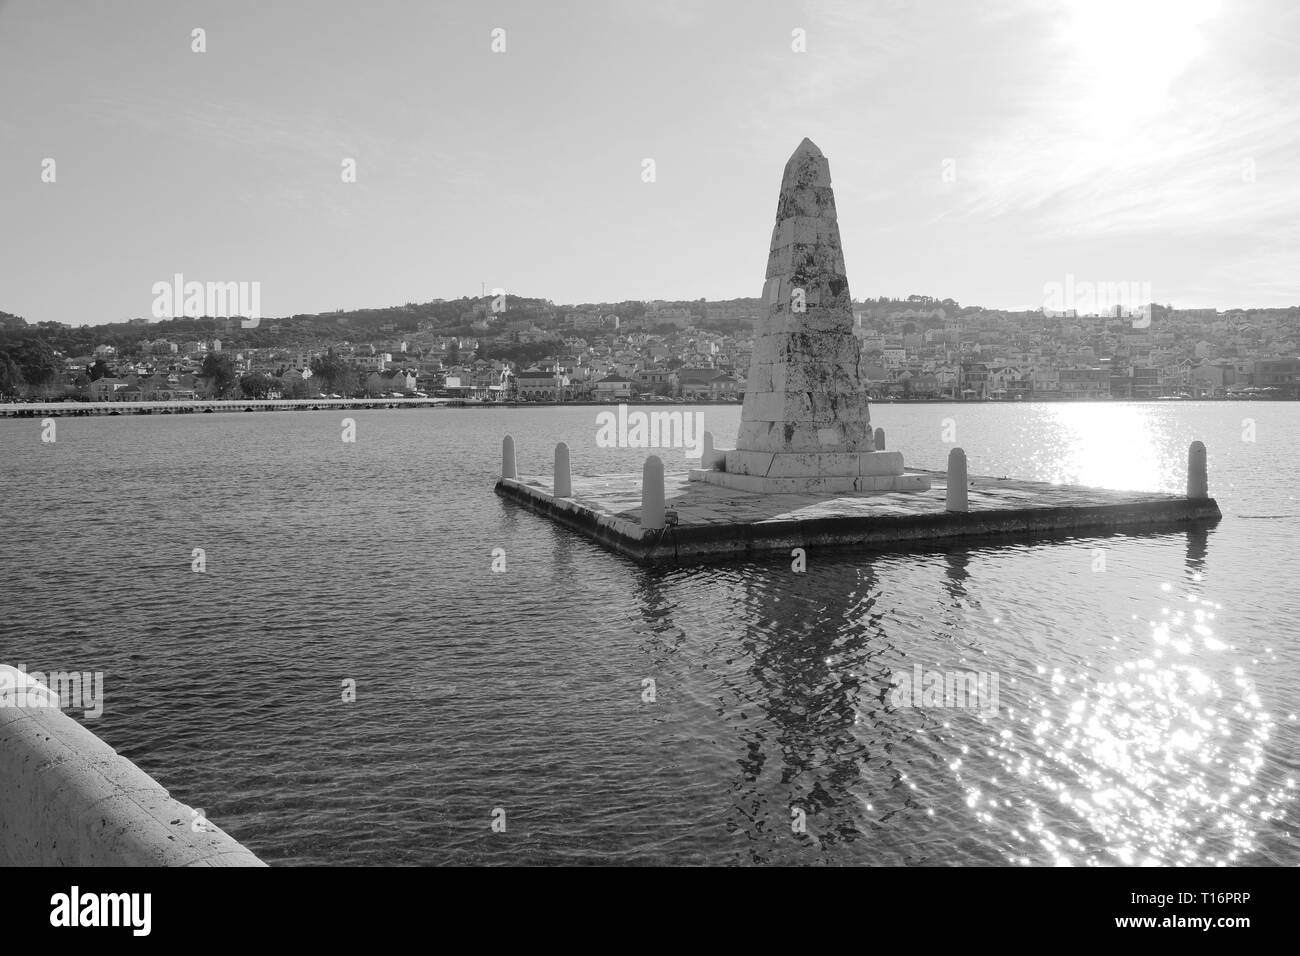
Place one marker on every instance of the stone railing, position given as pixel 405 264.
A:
pixel 69 799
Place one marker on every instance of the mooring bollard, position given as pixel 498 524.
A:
pixel 880 439
pixel 652 493
pixel 508 458
pixel 957 481
pixel 563 480
pixel 1198 476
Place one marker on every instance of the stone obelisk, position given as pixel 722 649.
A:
pixel 806 422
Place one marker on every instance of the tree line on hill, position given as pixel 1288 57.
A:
pixel 29 361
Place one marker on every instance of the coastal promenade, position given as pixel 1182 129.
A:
pixel 39 409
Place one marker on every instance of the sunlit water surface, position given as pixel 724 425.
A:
pixel 1146 686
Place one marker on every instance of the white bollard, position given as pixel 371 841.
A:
pixel 508 458
pixel 563 480
pixel 706 456
pixel 957 481
pixel 652 493
pixel 1198 477
pixel 880 439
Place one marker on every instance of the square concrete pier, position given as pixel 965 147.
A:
pixel 716 521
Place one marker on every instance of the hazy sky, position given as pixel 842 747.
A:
pixel 1124 141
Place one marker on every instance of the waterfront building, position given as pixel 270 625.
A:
pixel 1280 374
pixel 390 380
pixel 1084 384
pixel 540 385
pixel 613 388
pixel 706 384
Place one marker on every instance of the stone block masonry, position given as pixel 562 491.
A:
pixel 806 417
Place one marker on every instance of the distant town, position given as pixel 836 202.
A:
pixel 507 348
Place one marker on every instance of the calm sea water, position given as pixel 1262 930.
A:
pixel 1147 685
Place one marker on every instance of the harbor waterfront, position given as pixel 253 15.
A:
pixel 186 407
pixel 1146 683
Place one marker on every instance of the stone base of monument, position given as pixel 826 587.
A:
pixel 862 484
pixel 784 473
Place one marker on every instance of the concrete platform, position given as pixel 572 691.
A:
pixel 717 522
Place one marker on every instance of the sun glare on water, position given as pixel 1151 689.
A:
pixel 1111 447
pixel 1158 760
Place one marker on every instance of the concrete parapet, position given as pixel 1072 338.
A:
pixel 69 799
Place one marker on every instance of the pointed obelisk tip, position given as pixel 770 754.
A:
pixel 808 148
pixel 805 167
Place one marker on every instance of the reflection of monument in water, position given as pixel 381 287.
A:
pixel 791 716
pixel 806 422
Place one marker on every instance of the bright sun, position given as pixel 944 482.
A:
pixel 1127 53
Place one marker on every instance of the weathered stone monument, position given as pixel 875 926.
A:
pixel 806 422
